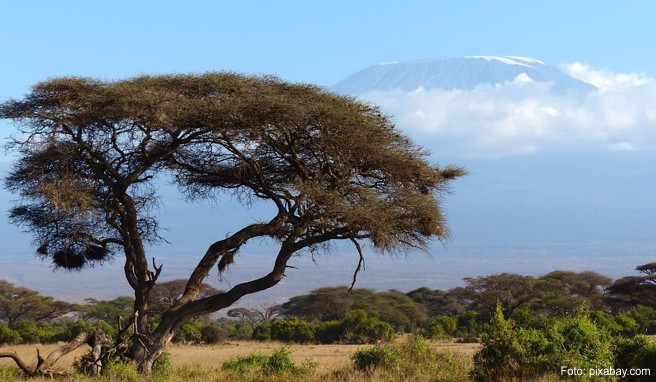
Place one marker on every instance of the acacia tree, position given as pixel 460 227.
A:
pixel 17 303
pixel 333 167
pixel 630 291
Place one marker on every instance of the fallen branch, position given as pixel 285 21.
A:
pixel 44 365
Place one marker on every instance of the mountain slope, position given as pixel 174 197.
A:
pixel 457 73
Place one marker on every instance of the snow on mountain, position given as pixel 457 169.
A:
pixel 458 73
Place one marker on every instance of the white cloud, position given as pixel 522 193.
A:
pixel 603 79
pixel 523 116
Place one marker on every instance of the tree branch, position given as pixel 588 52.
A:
pixel 360 264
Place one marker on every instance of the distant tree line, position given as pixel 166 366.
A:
pixel 625 307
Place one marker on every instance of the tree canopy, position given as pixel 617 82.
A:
pixel 18 303
pixel 333 167
pixel 630 291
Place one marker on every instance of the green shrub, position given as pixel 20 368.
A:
pixel 410 360
pixel 262 332
pixel 188 333
pixel 469 324
pixel 279 362
pixel 162 366
pixel 10 373
pixel 628 325
pixel 360 328
pixel 31 333
pixel 9 335
pixel 328 332
pixel 379 356
pixel 213 334
pixel 512 352
pixel 121 371
pixel 279 365
pixel 635 353
pixel 646 319
pixel 293 330
pixel 442 326
pixel 244 363
pixel 580 343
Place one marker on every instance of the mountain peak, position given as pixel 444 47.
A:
pixel 510 60
pixel 464 73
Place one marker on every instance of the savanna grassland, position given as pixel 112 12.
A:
pixel 313 362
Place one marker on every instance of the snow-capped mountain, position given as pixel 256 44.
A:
pixel 457 73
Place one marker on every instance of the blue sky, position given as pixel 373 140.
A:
pixel 309 41
pixel 324 42
pixel 610 42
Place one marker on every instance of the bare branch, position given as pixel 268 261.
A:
pixel 360 264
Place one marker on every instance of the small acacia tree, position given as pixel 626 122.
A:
pixel 333 167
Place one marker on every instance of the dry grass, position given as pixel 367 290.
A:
pixel 28 353
pixel 202 363
pixel 327 356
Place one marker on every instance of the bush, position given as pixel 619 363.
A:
pixel 293 330
pixel 8 335
pixel 162 366
pixel 579 342
pixel 646 319
pixel 279 365
pixel 213 334
pixel 32 333
pixel 513 352
pixel 262 332
pixel 635 353
pixel 188 333
pixel 120 371
pixel 442 326
pixel 375 357
pixel 360 328
pixel 410 360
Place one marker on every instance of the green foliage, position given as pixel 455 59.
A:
pixel 279 362
pixel 9 336
pixel 262 332
pixel 121 371
pixel 376 357
pixel 162 367
pixel 32 332
pixel 579 342
pixel 277 366
pixel 189 333
pixel 635 353
pixel 293 330
pixel 18 303
pixel 410 360
pixel 645 317
pixel 513 352
pixel 335 303
pixel 356 328
pixel 629 326
pixel 442 326
pixel 109 310
pixel 361 328
pixel 213 334
pixel 245 362
pixel 469 324
pixel 10 373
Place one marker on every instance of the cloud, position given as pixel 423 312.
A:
pixel 523 116
pixel 603 79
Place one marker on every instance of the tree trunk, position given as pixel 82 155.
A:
pixel 145 356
